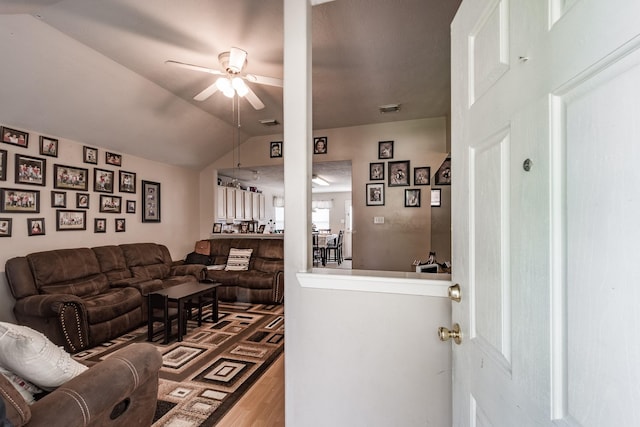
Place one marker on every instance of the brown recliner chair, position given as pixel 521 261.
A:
pixel 119 391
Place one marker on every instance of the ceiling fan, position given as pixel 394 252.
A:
pixel 233 63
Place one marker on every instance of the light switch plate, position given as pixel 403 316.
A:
pixel 378 220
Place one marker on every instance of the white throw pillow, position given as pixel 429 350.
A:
pixel 32 356
pixel 238 259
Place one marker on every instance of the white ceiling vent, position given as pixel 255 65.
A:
pixel 389 108
pixel 269 122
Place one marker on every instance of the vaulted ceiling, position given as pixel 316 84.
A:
pixel 94 70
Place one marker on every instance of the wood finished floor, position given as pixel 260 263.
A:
pixel 263 404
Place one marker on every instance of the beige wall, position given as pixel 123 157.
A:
pixel 178 228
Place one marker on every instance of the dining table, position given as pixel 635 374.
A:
pixel 324 240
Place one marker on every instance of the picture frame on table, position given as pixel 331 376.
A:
pixel 113 159
pixel 5 227
pixel 375 194
pixel 48 146
pixel 14 200
pixel 127 182
pixel 58 199
pixel 275 149
pixel 120 225
pixel 110 204
pixel 376 171
pixel 131 206
pixel 436 197
pixel 103 180
pixel 385 149
pixel 261 228
pixel 422 175
pixel 14 136
pixel 151 207
pixel 399 173
pixel 35 227
pixel 67 220
pixel 70 178
pixel 3 165
pixel 412 198
pixel 320 145
pixel 100 225
pixel 82 200
pixel 90 155
pixel 30 170
pixel 217 228
pixel 443 175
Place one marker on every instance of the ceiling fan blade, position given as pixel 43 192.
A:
pixel 194 67
pixel 206 93
pixel 253 99
pixel 270 81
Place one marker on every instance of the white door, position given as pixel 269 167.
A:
pixel 545 212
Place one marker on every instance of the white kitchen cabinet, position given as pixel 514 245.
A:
pixel 248 205
pixel 231 203
pixel 221 202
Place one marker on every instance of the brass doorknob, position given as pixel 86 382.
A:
pixel 444 334
pixel 454 293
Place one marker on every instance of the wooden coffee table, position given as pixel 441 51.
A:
pixel 181 295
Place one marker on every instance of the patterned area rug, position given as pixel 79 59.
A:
pixel 203 376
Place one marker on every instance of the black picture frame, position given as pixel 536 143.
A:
pixel 100 225
pixel 422 175
pixel 436 197
pixel 48 146
pixel 3 165
pixel 275 149
pixel 112 159
pixel 320 145
pixel 385 149
pixel 375 194
pixel 217 228
pixel 131 206
pixel 90 155
pixel 110 204
pixel 71 220
pixel 376 171
pixel 35 227
pixel 82 200
pixel 443 175
pixel 151 207
pixel 58 199
pixel 70 177
pixel 103 180
pixel 6 225
pixel 126 182
pixel 30 170
pixel 412 198
pixel 120 225
pixel 18 200
pixel 399 174
pixel 14 136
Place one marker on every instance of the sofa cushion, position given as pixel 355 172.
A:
pixel 112 262
pixel 62 265
pixel 30 355
pixel 256 280
pixel 238 259
pixel 111 304
pixel 148 260
pixel 86 286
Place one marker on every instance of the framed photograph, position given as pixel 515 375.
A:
pixel 110 204
pixel 14 136
pixel 71 178
pixel 71 220
pixel 252 227
pixel 385 150
pixel 58 199
pixel 35 226
pixel 412 198
pixel 399 173
pixel 276 149
pixel 422 175
pixel 443 176
pixel 113 159
pixel 102 180
pixel 375 194
pixel 217 227
pixel 82 200
pixel 376 171
pixel 100 225
pixel 320 145
pixel 5 227
pixel 121 225
pixel 90 155
pixel 3 165
pixel 30 170
pixel 261 229
pixel 19 201
pixel 150 201
pixel 131 206
pixel 48 146
pixel 435 197
pixel 127 182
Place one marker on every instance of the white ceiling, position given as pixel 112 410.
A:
pixel 93 70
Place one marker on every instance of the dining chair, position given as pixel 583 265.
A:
pixel 334 249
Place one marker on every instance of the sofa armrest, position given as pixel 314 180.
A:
pixel 129 282
pixel 121 390
pixel 44 305
pixel 188 269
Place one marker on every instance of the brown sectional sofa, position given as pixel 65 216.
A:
pixel 262 283
pixel 82 297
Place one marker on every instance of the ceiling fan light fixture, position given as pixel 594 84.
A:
pixel 239 85
pixel 389 108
